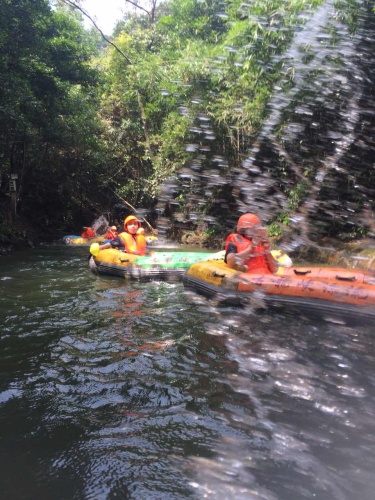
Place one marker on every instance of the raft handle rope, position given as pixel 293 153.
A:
pixel 302 273
pixel 124 260
pixel 217 275
pixel 344 278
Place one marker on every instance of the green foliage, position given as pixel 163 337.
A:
pixel 275 230
pixel 277 227
pixel 192 20
pixel 92 121
pixel 296 195
pixel 49 120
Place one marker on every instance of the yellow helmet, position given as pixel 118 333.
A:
pixel 131 218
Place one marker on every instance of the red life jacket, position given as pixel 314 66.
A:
pixel 256 262
pixel 111 234
pixel 89 233
pixel 134 244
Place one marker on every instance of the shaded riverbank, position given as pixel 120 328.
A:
pixel 354 254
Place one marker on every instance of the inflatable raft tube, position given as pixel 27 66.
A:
pixel 342 293
pixel 157 266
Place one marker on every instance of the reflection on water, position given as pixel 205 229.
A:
pixel 311 388
pixel 112 389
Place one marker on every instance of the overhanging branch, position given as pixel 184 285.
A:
pixel 75 6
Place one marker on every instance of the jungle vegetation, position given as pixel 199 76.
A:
pixel 202 109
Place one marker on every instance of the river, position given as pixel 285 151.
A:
pixel 112 389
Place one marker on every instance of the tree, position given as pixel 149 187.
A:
pixel 48 99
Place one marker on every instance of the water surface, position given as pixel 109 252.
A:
pixel 112 389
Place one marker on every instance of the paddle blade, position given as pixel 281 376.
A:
pixel 94 249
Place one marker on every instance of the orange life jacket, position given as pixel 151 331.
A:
pixel 256 262
pixel 134 244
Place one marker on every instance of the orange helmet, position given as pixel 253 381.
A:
pixel 248 221
pixel 130 219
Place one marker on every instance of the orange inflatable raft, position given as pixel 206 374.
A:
pixel 347 293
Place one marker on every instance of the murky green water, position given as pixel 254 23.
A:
pixel 136 390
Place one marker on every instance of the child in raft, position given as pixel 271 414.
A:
pixel 248 250
pixel 131 240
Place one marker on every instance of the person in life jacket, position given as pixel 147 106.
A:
pixel 88 232
pixel 112 233
pixel 248 250
pixel 131 240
